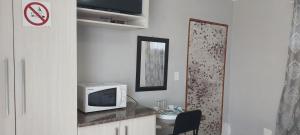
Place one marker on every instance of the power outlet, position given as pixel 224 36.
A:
pixel 267 131
pixel 226 129
pixel 176 76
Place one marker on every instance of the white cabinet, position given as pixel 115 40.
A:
pixel 38 71
pixel 137 126
pixel 102 129
pixel 7 112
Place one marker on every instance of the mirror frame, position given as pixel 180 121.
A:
pixel 138 88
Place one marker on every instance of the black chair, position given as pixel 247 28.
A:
pixel 187 121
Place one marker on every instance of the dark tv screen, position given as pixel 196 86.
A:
pixel 122 6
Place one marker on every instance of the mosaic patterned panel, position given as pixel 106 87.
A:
pixel 288 119
pixel 205 73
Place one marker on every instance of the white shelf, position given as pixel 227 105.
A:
pixel 92 12
pixel 107 24
pixel 95 17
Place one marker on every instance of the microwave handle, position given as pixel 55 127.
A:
pixel 123 97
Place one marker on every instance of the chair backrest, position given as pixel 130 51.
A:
pixel 187 121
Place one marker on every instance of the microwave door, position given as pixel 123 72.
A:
pixel 103 98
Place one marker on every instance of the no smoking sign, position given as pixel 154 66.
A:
pixel 36 14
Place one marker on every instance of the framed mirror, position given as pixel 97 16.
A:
pixel 152 63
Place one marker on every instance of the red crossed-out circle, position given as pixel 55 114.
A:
pixel 29 7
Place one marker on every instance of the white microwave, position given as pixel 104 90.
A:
pixel 94 97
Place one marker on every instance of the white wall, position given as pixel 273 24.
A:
pixel 258 59
pixel 110 55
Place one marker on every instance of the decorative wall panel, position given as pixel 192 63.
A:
pixel 206 72
pixel 288 119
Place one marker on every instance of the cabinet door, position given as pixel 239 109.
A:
pixel 46 72
pixel 102 129
pixel 139 126
pixel 7 113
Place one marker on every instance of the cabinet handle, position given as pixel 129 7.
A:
pixel 6 70
pixel 24 86
pixel 126 130
pixel 117 131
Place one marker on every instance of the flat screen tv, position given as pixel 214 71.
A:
pixel 122 6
